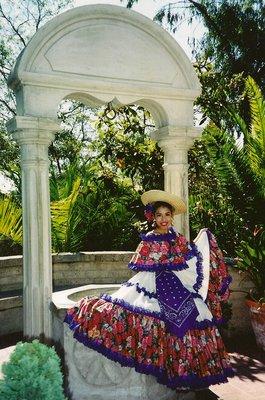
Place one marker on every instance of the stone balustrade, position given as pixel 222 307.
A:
pixel 71 269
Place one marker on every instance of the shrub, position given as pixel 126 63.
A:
pixel 33 372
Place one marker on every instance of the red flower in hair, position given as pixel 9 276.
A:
pixel 149 212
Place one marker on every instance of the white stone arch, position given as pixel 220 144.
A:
pixel 97 54
pixel 158 113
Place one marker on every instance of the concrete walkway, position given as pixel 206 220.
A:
pixel 247 360
pixel 249 382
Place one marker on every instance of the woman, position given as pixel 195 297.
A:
pixel 163 321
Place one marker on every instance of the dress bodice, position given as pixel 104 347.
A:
pixel 169 251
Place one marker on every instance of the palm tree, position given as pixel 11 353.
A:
pixel 240 167
pixel 91 209
pixel 10 220
pixel 63 222
pixel 240 162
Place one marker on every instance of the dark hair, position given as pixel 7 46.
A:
pixel 158 204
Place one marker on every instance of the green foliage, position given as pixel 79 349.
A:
pixel 19 20
pixel 227 176
pixel 10 220
pixel 33 372
pixel 123 142
pixel 231 49
pixel 72 142
pixel 107 218
pixel 93 209
pixel 252 261
pixel 240 167
pixel 64 221
pixel 255 136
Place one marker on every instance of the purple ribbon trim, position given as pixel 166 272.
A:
pixel 199 268
pixel 225 284
pixel 171 235
pixel 130 307
pixel 191 381
pixel 151 295
pixel 206 323
pixel 157 267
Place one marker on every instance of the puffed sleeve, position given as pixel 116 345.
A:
pixel 219 279
pixel 141 259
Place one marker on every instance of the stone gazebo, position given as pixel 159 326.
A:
pixel 95 54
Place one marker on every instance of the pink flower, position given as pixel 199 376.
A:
pixel 144 251
pixel 156 247
pixel 164 248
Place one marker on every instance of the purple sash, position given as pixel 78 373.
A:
pixel 177 305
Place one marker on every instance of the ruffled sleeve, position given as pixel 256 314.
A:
pixel 141 257
pixel 157 252
pixel 219 279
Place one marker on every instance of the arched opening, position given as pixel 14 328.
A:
pixel 146 67
pixel 101 160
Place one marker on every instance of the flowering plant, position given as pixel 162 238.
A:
pixel 149 212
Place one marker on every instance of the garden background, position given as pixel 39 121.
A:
pixel 103 159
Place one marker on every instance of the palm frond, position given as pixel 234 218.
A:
pixel 257 108
pixel 10 220
pixel 236 177
pixel 61 217
pixel 239 121
pixel 255 145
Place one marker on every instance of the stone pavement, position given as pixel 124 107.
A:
pixel 247 359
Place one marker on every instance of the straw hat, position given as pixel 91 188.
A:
pixel 153 196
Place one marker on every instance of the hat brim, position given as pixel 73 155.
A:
pixel 152 196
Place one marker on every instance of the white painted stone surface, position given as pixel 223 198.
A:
pixel 101 52
pixel 94 377
pixel 34 136
pixel 175 143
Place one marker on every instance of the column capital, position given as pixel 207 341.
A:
pixel 33 130
pixel 177 137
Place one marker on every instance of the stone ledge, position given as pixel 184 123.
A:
pixel 8 303
pixel 73 257
pixel 71 268
pixel 92 256
pixel 11 261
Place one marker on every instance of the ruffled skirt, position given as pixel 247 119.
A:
pixel 140 341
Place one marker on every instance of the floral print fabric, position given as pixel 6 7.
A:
pixel 218 290
pixel 159 252
pixel 196 360
pixel 141 341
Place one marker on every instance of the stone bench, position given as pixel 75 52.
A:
pixel 91 376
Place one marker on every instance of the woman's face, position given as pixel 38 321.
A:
pixel 163 219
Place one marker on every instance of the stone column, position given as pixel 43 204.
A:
pixel 34 135
pixel 175 143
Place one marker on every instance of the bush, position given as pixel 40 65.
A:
pixel 33 372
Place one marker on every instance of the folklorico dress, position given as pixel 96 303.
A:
pixel 164 320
